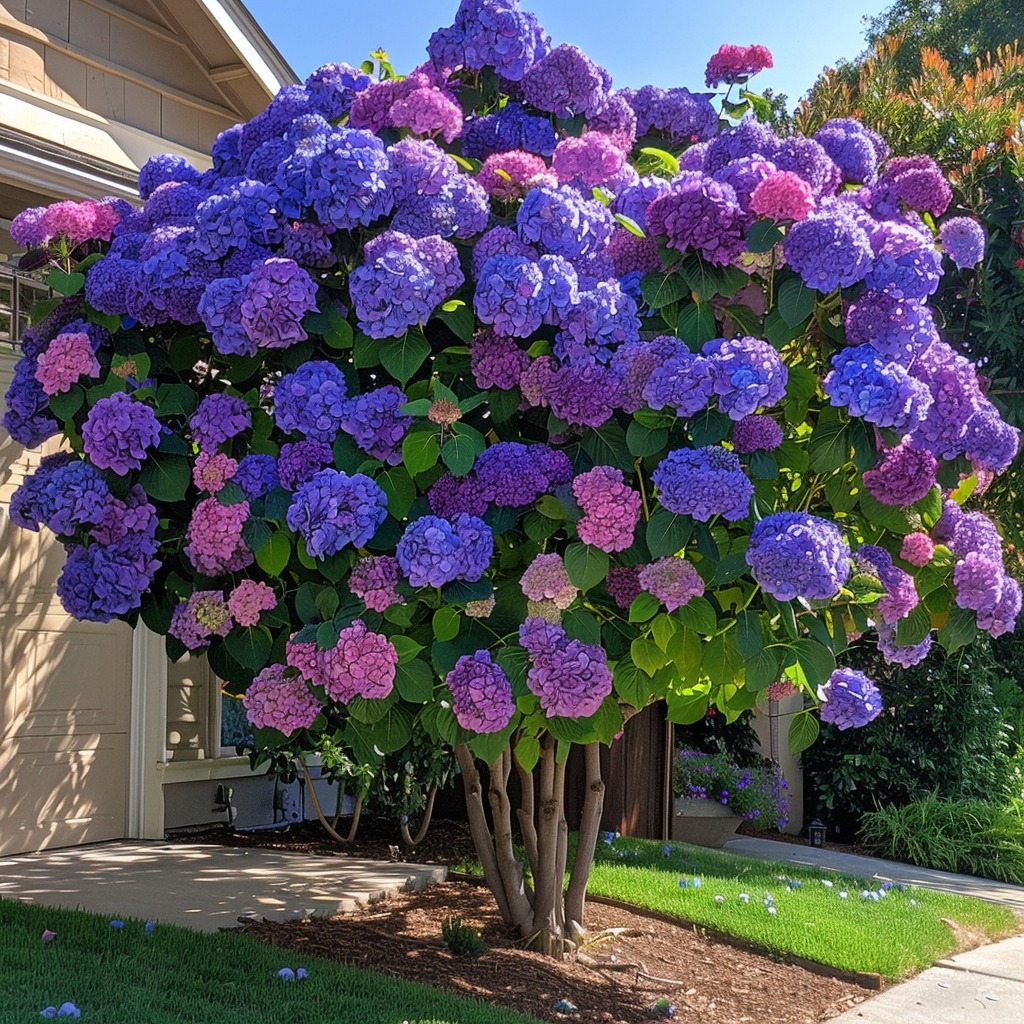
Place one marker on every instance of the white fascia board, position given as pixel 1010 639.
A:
pixel 241 30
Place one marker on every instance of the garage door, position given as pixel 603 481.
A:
pixel 64 696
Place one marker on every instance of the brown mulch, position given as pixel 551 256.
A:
pixel 716 982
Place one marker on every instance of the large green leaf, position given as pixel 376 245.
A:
pixel 402 357
pixel 166 477
pixel 414 681
pixel 459 453
pixel 642 440
pixel 660 289
pixel 809 663
pixel 696 324
pixel 667 533
pixel 273 556
pixel 796 301
pixel 586 565
pixel 249 646
pixel 763 236
pixel 803 731
pixel 399 488
pixel 829 447
pixel 420 451
pixel 958 630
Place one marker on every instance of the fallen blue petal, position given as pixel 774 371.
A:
pixel 286 973
pixel 116 924
pixel 50 1011
pixel 301 973
pixel 68 1010
pixel 149 927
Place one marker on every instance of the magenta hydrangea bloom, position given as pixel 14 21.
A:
pixel 758 433
pixel 783 195
pixel 545 579
pixel 361 664
pixel 963 241
pixel 66 359
pixel 276 700
pixel 496 361
pixel 902 476
pixel 374 579
pixel 511 175
pixel 250 598
pixel 917 549
pixel 204 615
pixel 211 472
pixel 849 699
pixel 732 63
pixel 611 509
pixel 672 581
pixel 571 678
pixel 481 694
pixel 427 110
pixel 623 584
pixel 118 432
pixel 795 554
pixel 703 483
pixel 593 158
pixel 213 541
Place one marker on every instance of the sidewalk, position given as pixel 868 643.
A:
pixel 982 985
pixel 203 887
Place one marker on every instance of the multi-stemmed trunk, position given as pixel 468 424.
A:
pixel 546 913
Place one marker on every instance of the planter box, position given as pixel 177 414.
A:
pixel 703 822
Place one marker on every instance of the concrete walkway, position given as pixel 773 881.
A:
pixel 884 870
pixel 201 886
pixel 982 985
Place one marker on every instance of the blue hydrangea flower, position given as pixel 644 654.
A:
pixel 746 374
pixel 882 393
pixel 703 483
pixel 849 700
pixel 311 401
pixel 433 551
pixel 561 221
pixel 334 509
pixel 795 554
pixel 374 421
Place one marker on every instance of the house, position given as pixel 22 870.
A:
pixel 100 736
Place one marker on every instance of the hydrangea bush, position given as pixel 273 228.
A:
pixel 496 403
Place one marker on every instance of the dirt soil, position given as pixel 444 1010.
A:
pixel 708 981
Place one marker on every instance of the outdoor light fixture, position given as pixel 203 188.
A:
pixel 816 833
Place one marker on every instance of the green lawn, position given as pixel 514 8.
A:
pixel 176 976
pixel 896 935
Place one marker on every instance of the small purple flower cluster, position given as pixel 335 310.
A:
pixel 481 694
pixel 849 700
pixel 571 678
pixel 703 483
pixel 434 551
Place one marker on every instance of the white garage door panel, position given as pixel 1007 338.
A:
pixel 56 796
pixel 60 681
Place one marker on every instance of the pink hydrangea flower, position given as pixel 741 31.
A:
pixel 427 111
pixel 78 222
pixel 611 509
pixel 511 175
pixel 361 664
pixel 250 598
pixel 780 690
pixel 672 581
pixel 67 358
pixel 204 615
pixel 732 63
pixel 213 540
pixel 545 579
pixel 212 472
pixel 917 549
pixel 783 195
pixel 277 701
pixel 594 157
pixel 374 579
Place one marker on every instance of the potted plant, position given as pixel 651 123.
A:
pixel 713 794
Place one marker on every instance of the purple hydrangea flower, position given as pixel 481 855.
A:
pixel 623 583
pixel 374 420
pixel 756 434
pixel 897 328
pixel 562 222
pixel 103 582
pixel 213 539
pixel 678 113
pixel 597 323
pixel 312 401
pixel 217 419
pixel 275 700
pixel 882 393
pixel 350 183
pixel 278 294
pixel 702 214
pixel 566 82
pixel 449 495
pixel 374 579
pixel 703 483
pixel 956 393
pixel 747 373
pixel 505 130
pixel 611 509
pixel 220 309
pixel 256 475
pixel 118 432
pixel 1002 616
pixel 204 615
pixel 963 241
pixel 75 495
pixel 158 170
pixel 332 87
pixel 854 149
pixel 334 509
pixel 902 476
pixel 512 474
pixel 29 505
pixel 904 655
pixel 546 579
pixel 828 250
pixel 433 551
pixel 901 596
pixel 849 699
pixel 672 581
pixel 571 678
pixel 905 260
pixel 299 461
pixel 481 694
pixel 496 361
pixel 795 554
pixel 585 394
pixel 989 442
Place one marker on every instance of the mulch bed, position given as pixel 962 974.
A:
pixel 718 983
pixel 715 983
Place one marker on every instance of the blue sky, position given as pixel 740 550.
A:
pixel 664 42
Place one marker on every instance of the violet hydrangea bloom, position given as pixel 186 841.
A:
pixel 593 158
pixel 481 694
pixel 900 594
pixel 584 394
pixel 623 584
pixel 449 495
pixel 678 113
pixel 828 250
pixel 904 655
pixel 333 509
pixel 513 474
pixel 682 381
pixel 374 420
pixel 118 432
pixel 102 582
pixel 75 494
pixel 611 509
pixel 702 214
pixel 312 401
pixel 897 328
pixel 200 618
pixel 349 184
pixel 275 700
pixel 703 483
pixel 298 461
pixel 562 222
pixel 566 82
pixel 963 241
pixel 904 259
pixel 212 471
pixel 746 374
pixel 571 678
pixel 509 128
pixel 433 551
pixel 882 393
pixel 496 361
pixel 256 475
pixel 29 506
pixel 757 433
pixel 672 580
pixel 1001 617
pixel 511 175
pixel 849 699
pixel 795 554
pixel 218 418
pixel 374 579
pixel 277 295
pixel 902 476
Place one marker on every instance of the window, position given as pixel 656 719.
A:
pixel 19 292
